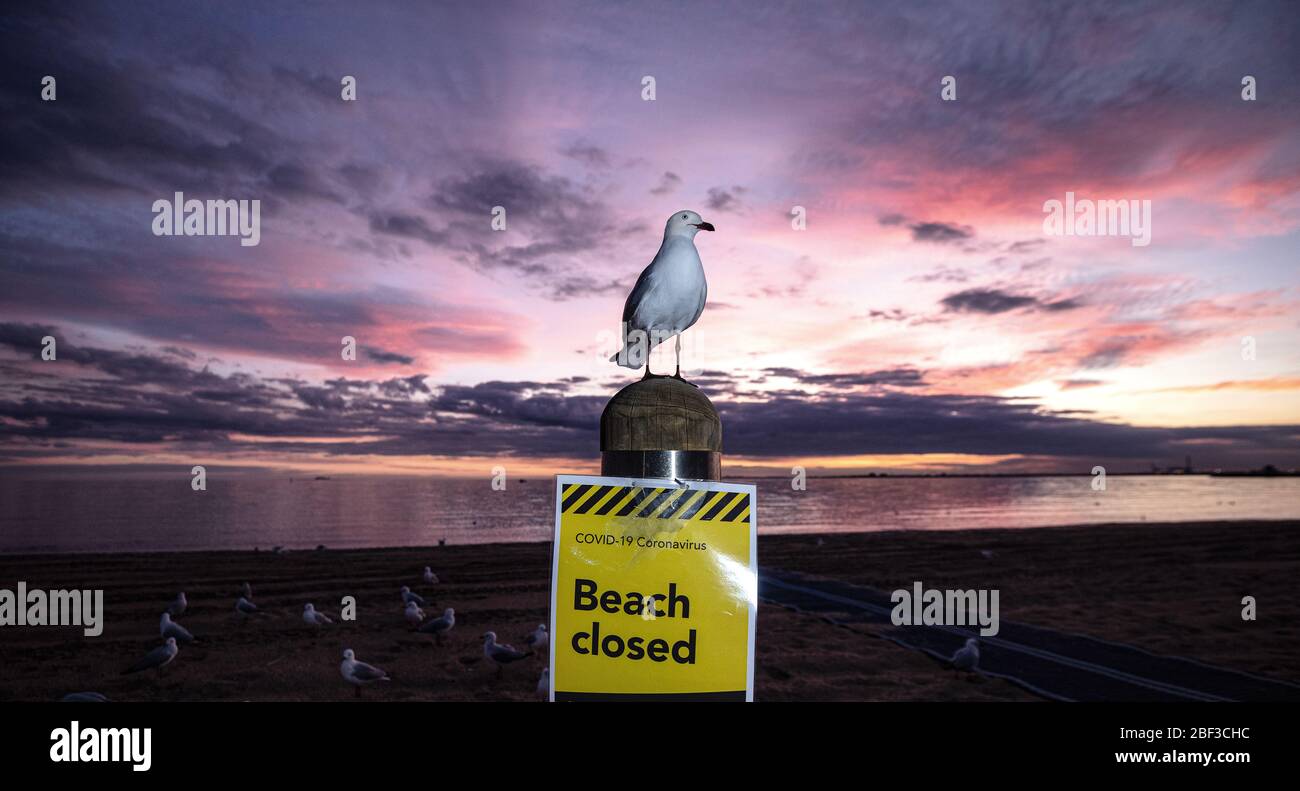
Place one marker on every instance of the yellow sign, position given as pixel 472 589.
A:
pixel 654 590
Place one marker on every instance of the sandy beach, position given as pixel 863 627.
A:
pixel 1169 588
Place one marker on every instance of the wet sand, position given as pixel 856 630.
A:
pixel 1167 588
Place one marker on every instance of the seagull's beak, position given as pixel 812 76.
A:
pixel 704 226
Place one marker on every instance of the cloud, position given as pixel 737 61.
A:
pixel 928 231
pixel 408 226
pixel 1080 384
pixel 940 232
pixel 724 200
pixel 895 377
pixel 668 182
pixel 381 356
pixel 592 156
pixel 143 400
pixel 993 301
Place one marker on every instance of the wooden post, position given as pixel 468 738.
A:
pixel 661 428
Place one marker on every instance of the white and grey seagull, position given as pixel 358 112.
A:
pixel 440 626
pixel 668 297
pixel 358 673
pixel 245 608
pixel 967 657
pixel 314 617
pixel 408 596
pixel 538 638
pixel 414 615
pixel 501 653
pixel 178 606
pixel 169 628
pixel 156 659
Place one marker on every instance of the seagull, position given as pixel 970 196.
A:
pixel 414 615
pixel 501 653
pixel 440 626
pixel 544 684
pixel 84 697
pixel 429 577
pixel 359 674
pixel 177 608
pixel 245 608
pixel 408 597
pixel 169 628
pixel 157 659
pixel 967 657
pixel 246 591
pixel 314 618
pixel 668 296
pixel 538 638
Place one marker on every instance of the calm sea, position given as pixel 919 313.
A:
pixel 97 515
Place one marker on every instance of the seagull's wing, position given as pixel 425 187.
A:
pixel 154 658
pixel 181 634
pixel 507 653
pixel 435 626
pixel 363 672
pixel 644 285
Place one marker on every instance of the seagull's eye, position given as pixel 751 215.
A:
pixel 683 216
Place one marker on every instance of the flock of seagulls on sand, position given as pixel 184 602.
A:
pixel 355 672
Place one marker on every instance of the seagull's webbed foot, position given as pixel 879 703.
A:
pixel 678 377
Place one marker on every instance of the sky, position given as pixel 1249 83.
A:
pixel 922 319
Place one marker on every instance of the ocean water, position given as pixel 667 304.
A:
pixel 243 512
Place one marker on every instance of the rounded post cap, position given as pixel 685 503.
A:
pixel 662 413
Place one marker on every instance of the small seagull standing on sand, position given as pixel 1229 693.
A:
pixel 429 577
pixel 408 596
pixel 440 626
pixel 169 628
pixel 178 606
pixel 967 657
pixel 414 615
pixel 501 653
pixel 311 616
pixel 245 608
pixel 358 674
pixel 156 659
pixel 538 638
pixel 668 297
pixel 544 684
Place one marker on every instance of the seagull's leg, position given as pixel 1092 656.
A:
pixel 678 374
pixel 357 687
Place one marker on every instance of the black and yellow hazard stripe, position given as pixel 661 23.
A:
pixel 650 502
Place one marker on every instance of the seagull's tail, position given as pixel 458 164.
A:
pixel 633 355
pixel 624 359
